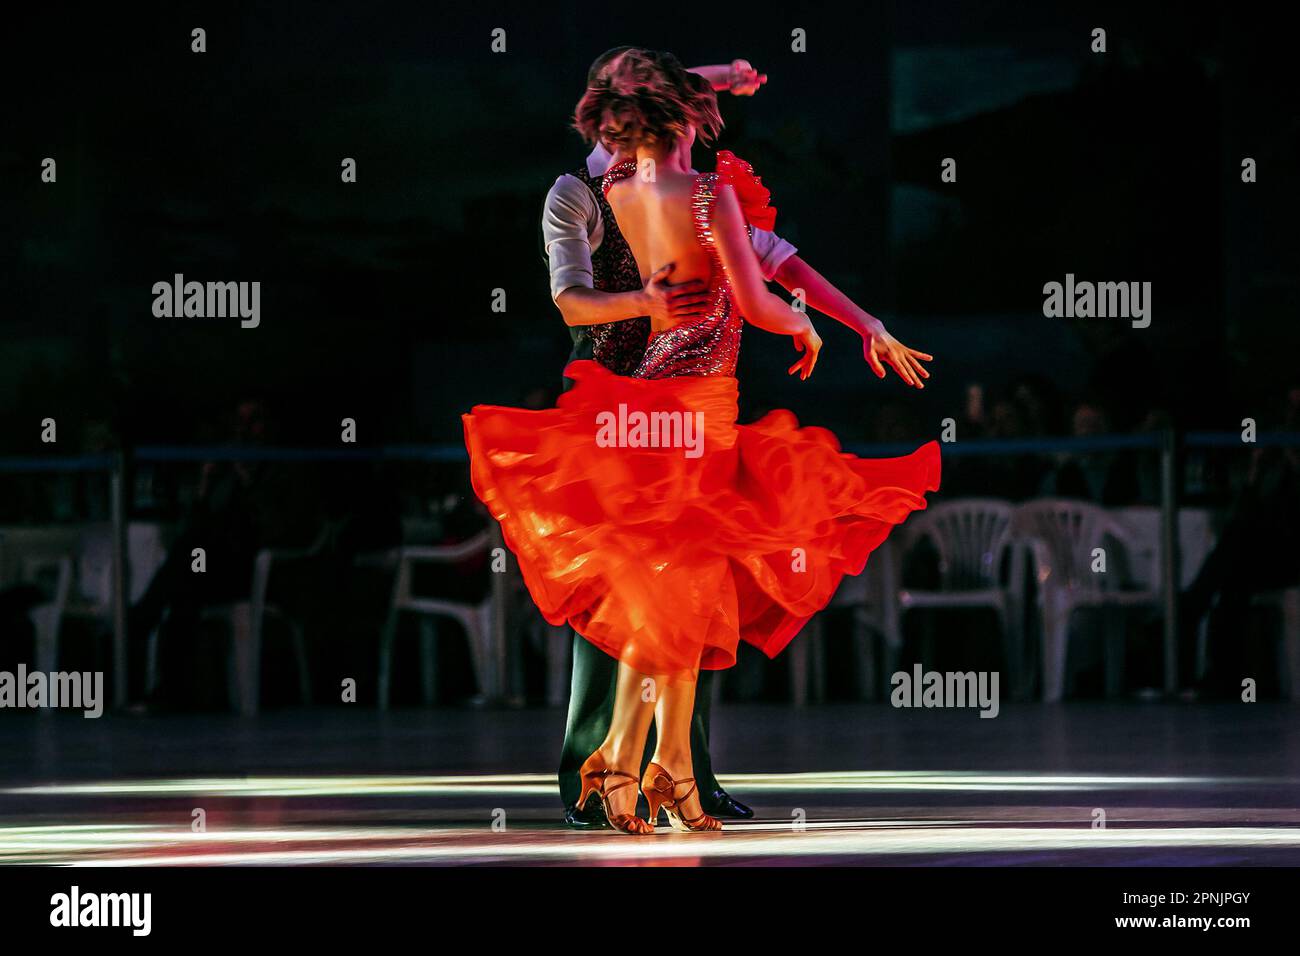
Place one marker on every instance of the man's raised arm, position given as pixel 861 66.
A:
pixel 736 77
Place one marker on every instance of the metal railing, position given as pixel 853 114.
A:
pixel 1167 444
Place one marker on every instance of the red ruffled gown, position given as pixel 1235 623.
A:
pixel 666 557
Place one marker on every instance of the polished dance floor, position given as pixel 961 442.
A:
pixel 1080 784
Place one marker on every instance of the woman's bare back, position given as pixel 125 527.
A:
pixel 658 222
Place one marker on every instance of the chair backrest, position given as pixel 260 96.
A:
pixel 20 543
pixel 93 580
pixel 409 555
pixel 875 585
pixel 52 573
pixel 31 554
pixel 970 535
pixel 1065 534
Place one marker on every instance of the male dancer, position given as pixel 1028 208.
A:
pixel 596 284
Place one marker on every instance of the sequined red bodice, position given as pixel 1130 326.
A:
pixel 709 345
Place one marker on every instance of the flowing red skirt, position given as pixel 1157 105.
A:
pixel 665 558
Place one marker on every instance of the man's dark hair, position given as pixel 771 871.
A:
pixel 601 61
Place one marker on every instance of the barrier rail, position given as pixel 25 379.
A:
pixel 1166 444
pixel 180 453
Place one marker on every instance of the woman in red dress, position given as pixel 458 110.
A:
pixel 640 511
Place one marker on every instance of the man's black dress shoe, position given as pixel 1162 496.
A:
pixel 719 803
pixel 592 817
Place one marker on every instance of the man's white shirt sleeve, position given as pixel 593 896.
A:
pixel 571 228
pixel 772 251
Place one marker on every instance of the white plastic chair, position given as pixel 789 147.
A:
pixel 528 627
pixel 973 540
pixel 246 623
pixel 875 609
pixel 1063 535
pixel 45 557
pixel 91 597
pixel 47 617
pixel 480 621
pixel 872 599
pixel 807 655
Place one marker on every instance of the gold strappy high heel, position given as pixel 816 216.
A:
pixel 660 790
pixel 595 774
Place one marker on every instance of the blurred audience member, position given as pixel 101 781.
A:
pixel 1041 403
pixel 241 508
pixel 1103 477
pixel 1255 553
pixel 1011 475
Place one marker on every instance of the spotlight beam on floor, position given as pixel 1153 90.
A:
pixel 277 848
pixel 539 784
pixel 448 820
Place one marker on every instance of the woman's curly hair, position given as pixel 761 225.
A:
pixel 645 97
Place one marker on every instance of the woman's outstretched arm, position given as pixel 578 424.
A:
pixel 878 346
pixel 759 306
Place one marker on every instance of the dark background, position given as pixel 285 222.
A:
pixel 376 296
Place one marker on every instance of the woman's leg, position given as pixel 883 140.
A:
pixel 673 716
pixel 634 708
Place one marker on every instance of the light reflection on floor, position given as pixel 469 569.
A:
pixel 925 818
pixel 533 784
